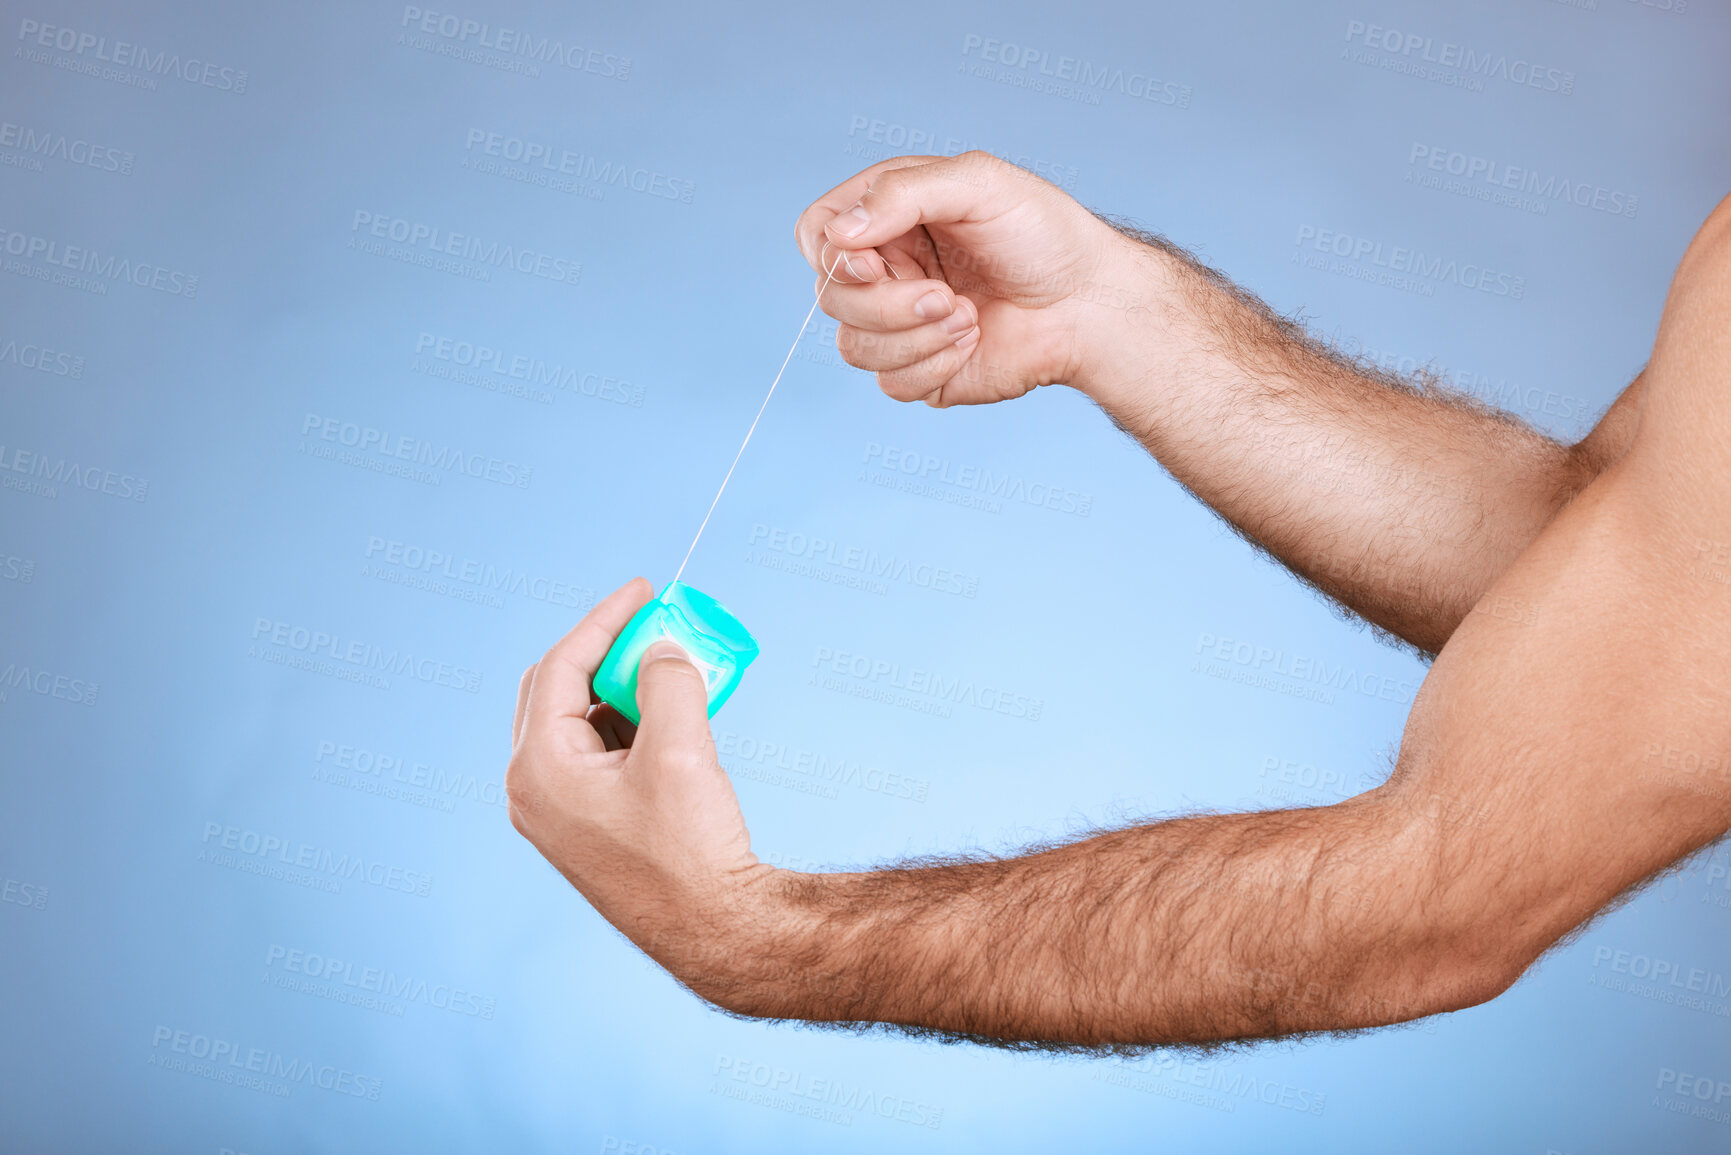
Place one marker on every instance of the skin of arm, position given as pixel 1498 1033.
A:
pixel 1555 759
pixel 1400 499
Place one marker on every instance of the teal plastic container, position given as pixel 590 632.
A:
pixel 718 644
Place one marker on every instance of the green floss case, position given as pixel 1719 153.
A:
pixel 718 644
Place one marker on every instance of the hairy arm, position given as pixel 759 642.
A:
pixel 1394 495
pixel 967 280
pixel 1562 750
pixel 1569 742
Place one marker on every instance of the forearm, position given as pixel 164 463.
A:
pixel 1188 931
pixel 1396 498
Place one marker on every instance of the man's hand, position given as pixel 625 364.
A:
pixel 1394 496
pixel 992 273
pixel 642 820
pixel 1570 742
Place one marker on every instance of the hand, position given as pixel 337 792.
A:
pixel 959 281
pixel 643 820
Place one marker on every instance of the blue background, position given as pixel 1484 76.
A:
pixel 128 929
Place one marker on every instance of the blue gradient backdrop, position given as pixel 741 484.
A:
pixel 260 901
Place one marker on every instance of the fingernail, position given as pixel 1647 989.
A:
pixel 932 306
pixel 960 322
pixel 851 223
pixel 967 343
pixel 664 649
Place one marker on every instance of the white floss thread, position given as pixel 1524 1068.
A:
pixel 840 260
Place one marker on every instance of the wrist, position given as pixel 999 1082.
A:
pixel 784 953
pixel 1125 321
pixel 742 948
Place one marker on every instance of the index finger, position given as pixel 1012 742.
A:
pixel 560 684
pixel 808 230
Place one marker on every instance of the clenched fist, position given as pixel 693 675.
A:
pixel 962 280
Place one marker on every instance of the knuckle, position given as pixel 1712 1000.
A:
pixel 853 345
pixel 522 790
pixel 889 185
pixel 904 386
pixel 686 761
pixel 524 801
pixel 979 158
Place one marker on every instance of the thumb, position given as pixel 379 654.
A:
pixel 673 700
pixel 975 186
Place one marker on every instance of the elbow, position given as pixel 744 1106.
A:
pixel 1427 987
pixel 1469 983
pixel 1450 956
pixel 1468 969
